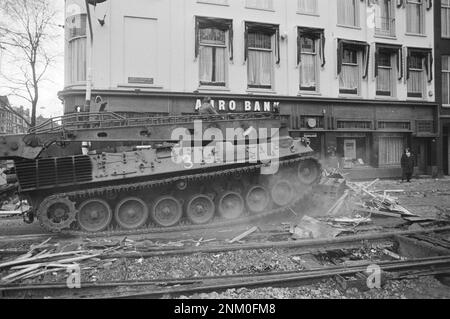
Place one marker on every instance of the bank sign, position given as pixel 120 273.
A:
pixel 241 106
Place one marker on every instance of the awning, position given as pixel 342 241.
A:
pixel 314 33
pixel 393 48
pixel 427 54
pixel 218 23
pixel 359 45
pixel 272 29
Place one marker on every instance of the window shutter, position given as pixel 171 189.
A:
pixel 322 48
pixel 400 63
pixel 367 58
pixel 299 45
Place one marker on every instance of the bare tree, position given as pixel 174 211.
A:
pixel 27 27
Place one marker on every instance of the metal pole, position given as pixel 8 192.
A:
pixel 89 61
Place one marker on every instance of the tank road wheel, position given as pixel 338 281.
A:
pixel 167 211
pixel 282 192
pixel 56 213
pixel 308 172
pixel 131 213
pixel 94 215
pixel 200 209
pixel 257 199
pixel 231 205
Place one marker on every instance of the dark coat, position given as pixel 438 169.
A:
pixel 407 164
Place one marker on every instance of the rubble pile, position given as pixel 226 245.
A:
pixel 358 208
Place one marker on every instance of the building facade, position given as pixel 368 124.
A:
pixel 442 57
pixel 11 122
pixel 355 76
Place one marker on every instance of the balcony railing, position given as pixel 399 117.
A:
pixel 385 26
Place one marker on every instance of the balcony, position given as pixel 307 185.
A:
pixel 385 26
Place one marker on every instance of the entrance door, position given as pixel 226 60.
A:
pixel 423 155
pixel 350 149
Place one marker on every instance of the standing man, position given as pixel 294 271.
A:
pixel 407 162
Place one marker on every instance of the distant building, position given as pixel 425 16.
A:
pixel 10 122
pixel 442 65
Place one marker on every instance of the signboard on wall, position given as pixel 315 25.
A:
pixel 241 106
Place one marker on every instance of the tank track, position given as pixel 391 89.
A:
pixel 184 225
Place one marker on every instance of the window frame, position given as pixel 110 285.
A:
pixel 225 2
pixel 69 59
pixel 315 12
pixel 357 18
pixel 224 46
pixel 255 7
pixel 447 9
pixel 316 88
pixel 423 78
pixel 358 66
pixel 392 86
pixel 272 51
pixel 392 22
pixel 422 31
pixel 272 30
pixel 447 74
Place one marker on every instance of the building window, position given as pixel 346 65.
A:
pixel 416 79
pixel 415 16
pixel 213 37
pixel 308 65
pixel 212 57
pixel 390 150
pixel 262 45
pixel 349 77
pixel 385 76
pixel 388 68
pixel 446 80
pixel 76 50
pixel 385 18
pixel 348 12
pixel 307 6
pixel 259 4
pixel 419 71
pixel 353 61
pixel 311 43
pixel 445 18
pixel 221 2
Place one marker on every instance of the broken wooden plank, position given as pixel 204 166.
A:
pixel 29 260
pixel 244 234
pixel 337 203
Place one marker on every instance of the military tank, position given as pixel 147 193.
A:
pixel 101 172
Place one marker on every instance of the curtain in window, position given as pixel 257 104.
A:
pixel 77 60
pixel 384 80
pixel 415 82
pixel 307 6
pixel 414 16
pixel 349 78
pixel 259 68
pixel 347 14
pixel 391 150
pixel 308 71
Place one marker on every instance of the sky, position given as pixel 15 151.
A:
pixel 49 104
